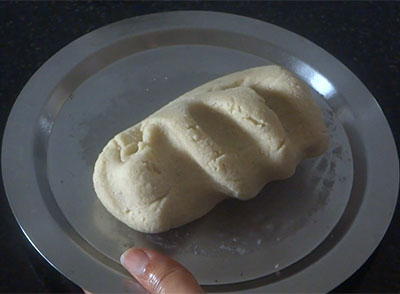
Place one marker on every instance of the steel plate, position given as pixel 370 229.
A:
pixel 323 222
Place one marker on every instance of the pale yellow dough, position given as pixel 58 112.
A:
pixel 226 138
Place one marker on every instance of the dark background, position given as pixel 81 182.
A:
pixel 365 36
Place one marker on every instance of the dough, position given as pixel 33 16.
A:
pixel 226 138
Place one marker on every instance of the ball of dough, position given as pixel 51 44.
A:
pixel 226 138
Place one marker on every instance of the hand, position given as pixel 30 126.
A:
pixel 158 273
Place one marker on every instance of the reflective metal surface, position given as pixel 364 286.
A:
pixel 324 221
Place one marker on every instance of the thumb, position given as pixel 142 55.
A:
pixel 159 273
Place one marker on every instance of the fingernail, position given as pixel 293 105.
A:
pixel 135 261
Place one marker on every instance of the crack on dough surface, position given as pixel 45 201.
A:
pixel 223 129
pixel 128 142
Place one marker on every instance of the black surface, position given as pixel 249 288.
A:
pixel 365 36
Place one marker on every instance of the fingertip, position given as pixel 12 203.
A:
pixel 122 258
pixel 158 273
pixel 135 260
